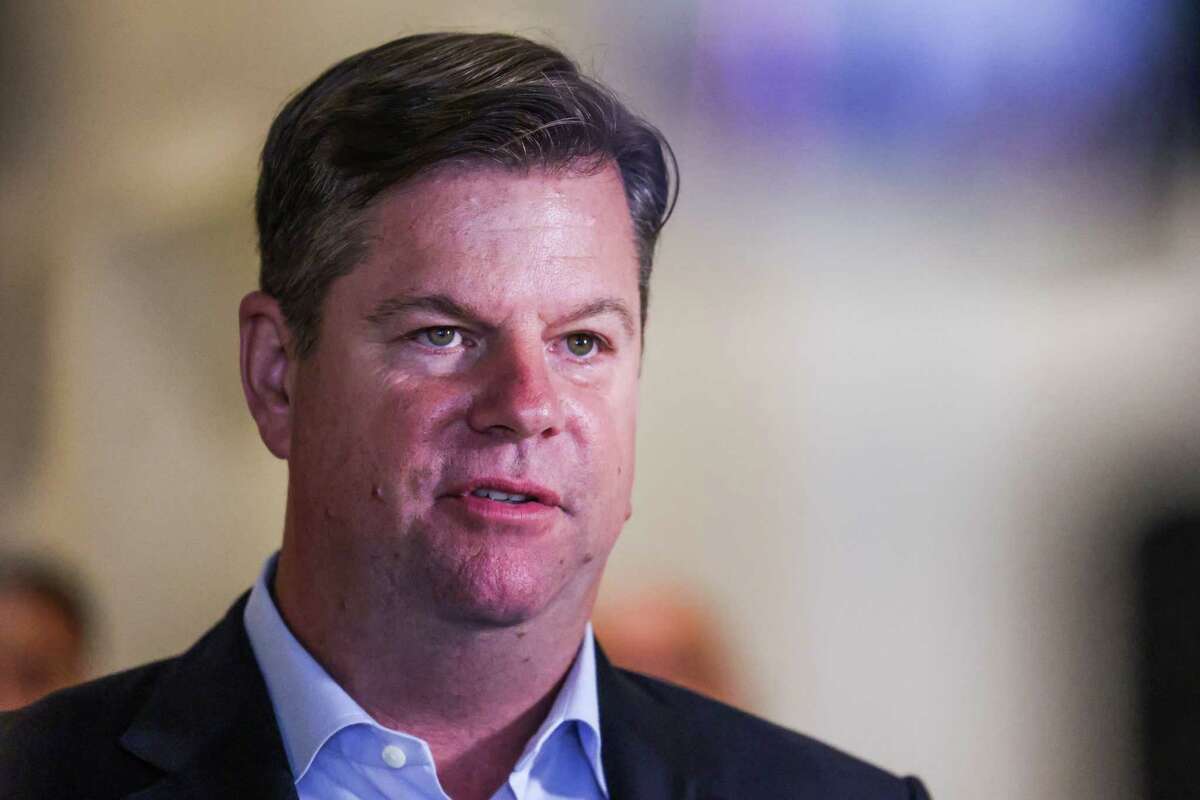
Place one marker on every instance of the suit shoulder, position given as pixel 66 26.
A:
pixel 770 758
pixel 95 704
pixel 78 726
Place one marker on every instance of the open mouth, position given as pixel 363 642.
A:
pixel 503 497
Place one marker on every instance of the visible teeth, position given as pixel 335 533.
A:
pixel 504 497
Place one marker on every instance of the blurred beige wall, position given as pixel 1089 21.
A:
pixel 898 436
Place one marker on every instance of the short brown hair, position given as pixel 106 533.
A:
pixel 389 114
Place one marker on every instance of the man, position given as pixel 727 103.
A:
pixel 456 235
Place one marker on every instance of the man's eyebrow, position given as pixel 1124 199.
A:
pixel 385 310
pixel 609 305
pixel 437 303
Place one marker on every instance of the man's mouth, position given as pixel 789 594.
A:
pixel 503 497
pixel 510 493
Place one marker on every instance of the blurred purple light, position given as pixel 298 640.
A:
pixel 1023 78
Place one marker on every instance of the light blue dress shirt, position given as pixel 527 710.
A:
pixel 338 752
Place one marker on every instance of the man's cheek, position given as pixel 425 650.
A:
pixel 412 405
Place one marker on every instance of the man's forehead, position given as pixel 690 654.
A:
pixel 444 207
pixel 499 243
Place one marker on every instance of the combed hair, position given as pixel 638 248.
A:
pixel 387 115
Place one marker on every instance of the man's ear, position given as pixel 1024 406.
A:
pixel 266 361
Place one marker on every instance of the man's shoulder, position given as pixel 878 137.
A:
pixel 71 737
pixel 122 733
pixel 101 697
pixel 749 756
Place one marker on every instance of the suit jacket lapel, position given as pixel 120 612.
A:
pixel 648 751
pixel 209 724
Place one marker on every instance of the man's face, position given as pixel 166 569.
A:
pixel 463 434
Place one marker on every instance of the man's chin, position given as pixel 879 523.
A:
pixel 487 611
pixel 494 595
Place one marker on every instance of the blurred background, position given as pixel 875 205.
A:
pixel 920 429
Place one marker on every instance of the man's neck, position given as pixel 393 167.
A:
pixel 476 695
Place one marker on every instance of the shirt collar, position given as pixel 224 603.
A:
pixel 577 702
pixel 311 707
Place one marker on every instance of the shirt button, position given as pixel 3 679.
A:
pixel 394 756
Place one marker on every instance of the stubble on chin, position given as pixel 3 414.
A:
pixel 484 584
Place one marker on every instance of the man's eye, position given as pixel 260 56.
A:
pixel 581 344
pixel 440 336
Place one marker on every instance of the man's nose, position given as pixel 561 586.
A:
pixel 517 398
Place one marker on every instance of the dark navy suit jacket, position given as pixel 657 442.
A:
pixel 201 726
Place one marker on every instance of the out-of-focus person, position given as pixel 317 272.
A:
pixel 43 630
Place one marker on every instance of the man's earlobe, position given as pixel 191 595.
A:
pixel 265 361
